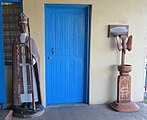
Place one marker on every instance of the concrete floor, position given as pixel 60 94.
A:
pixel 89 112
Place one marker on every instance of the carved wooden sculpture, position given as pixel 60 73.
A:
pixel 123 102
pixel 27 100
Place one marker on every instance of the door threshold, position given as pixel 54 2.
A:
pixel 67 105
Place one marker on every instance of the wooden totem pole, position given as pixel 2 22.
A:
pixel 123 102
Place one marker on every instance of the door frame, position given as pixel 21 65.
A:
pixel 87 38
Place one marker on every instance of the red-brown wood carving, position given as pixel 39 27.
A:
pixel 123 102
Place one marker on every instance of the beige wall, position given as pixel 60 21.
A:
pixel 104 55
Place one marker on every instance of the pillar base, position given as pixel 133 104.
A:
pixel 124 107
pixel 22 112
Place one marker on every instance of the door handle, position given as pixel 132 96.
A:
pixel 49 57
pixel 53 51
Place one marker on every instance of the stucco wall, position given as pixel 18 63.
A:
pixel 104 55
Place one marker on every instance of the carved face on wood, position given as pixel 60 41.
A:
pixel 23 27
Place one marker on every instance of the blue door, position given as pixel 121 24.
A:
pixel 66 54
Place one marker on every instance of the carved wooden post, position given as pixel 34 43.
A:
pixel 123 102
pixel 124 84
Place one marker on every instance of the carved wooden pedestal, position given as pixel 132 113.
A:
pixel 123 102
